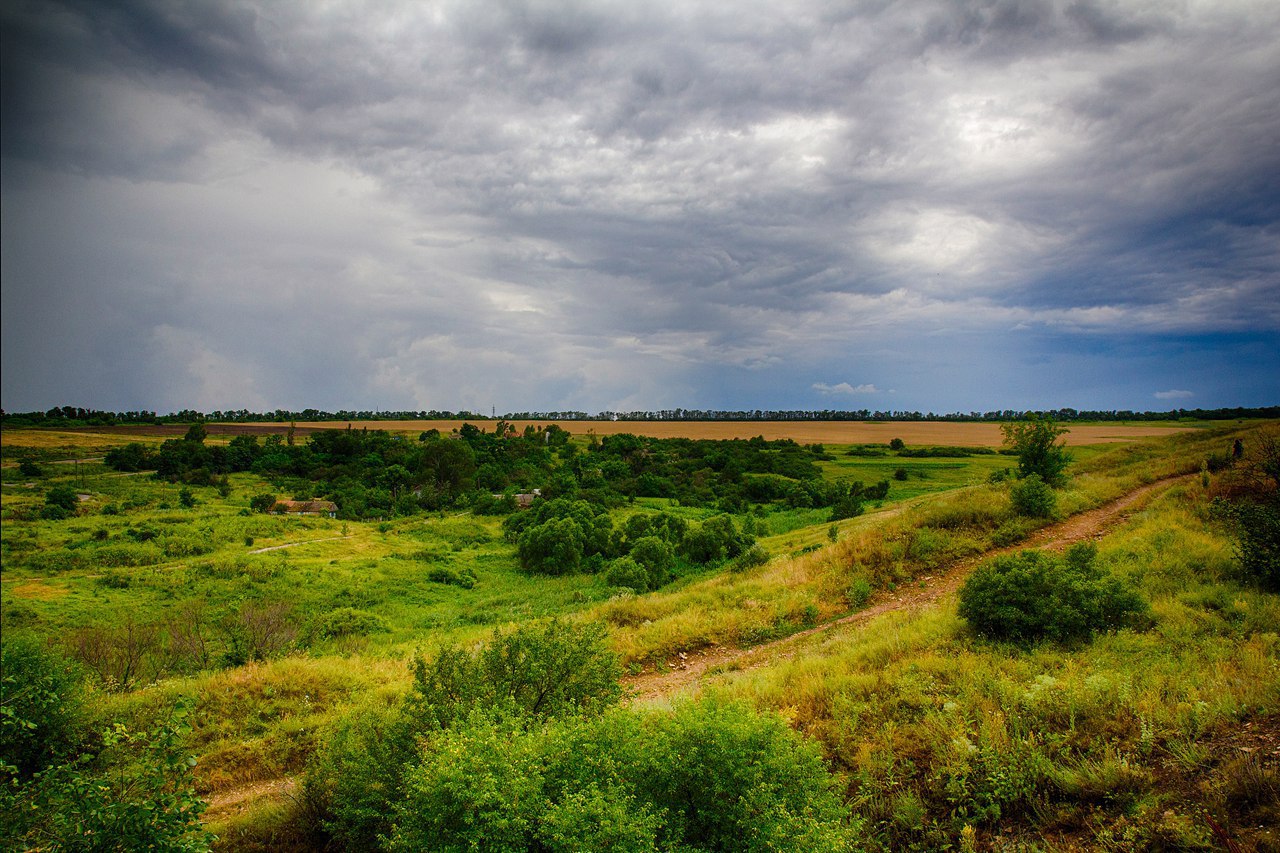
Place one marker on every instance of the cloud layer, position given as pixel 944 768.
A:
pixel 595 205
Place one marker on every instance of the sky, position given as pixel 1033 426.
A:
pixel 618 206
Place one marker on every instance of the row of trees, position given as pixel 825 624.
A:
pixel 374 473
pixel 70 416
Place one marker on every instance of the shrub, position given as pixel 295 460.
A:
pixel 897 444
pixel 900 474
pixel 357 774
pixel 750 558
pixel 262 503
pixel 465 578
pixel 63 497
pixel 626 572
pixel 656 556
pixel 40 700
pixel 346 622
pixel 538 671
pixel 1034 595
pixel 1258 544
pixel 552 548
pixel 1032 496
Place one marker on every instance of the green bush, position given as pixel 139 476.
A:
pixel 1033 497
pixel 754 556
pixel 63 497
pixel 40 706
pixel 1034 595
pixel 539 671
pixel 626 572
pixel 708 777
pixel 346 622
pixel 552 548
pixel 656 556
pixel 1258 543
pixel 465 578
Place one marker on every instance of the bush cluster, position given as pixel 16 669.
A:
pixel 1035 595
pixel 520 746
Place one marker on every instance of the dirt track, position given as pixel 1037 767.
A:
pixel 686 673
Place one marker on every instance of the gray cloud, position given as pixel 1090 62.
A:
pixel 603 205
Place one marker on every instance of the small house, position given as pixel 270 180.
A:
pixel 328 508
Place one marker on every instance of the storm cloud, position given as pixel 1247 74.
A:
pixel 598 205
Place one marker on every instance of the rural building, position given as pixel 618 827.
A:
pixel 328 508
pixel 523 500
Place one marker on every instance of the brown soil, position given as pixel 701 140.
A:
pixel 686 671
pixel 227 804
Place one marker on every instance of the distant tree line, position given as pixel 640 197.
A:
pixel 71 416
pixel 372 473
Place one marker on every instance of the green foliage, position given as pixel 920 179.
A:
pixel 1258 541
pixel 62 497
pixel 626 572
pixel 346 622
pixel 30 468
pixel 1034 595
pixel 1035 441
pixel 656 556
pixel 1033 497
pixel 40 707
pixel 710 776
pixel 135 793
pixel 186 497
pixel 752 557
pixel 715 540
pixel 552 548
pixel 262 503
pixel 897 444
pixel 540 671
pixel 357 773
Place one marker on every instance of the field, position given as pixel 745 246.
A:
pixel 276 626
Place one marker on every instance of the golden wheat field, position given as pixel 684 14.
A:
pixel 946 434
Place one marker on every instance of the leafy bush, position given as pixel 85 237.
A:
pixel 135 793
pixel 1035 595
pixel 40 707
pixel 539 671
pixel 1258 544
pixel 346 622
pixel 440 574
pixel 1033 497
pixel 750 558
pixel 552 548
pixel 708 777
pixel 626 572
pixel 656 556
pixel 63 497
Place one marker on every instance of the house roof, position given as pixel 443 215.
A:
pixel 305 506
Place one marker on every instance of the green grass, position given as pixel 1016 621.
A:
pixel 896 707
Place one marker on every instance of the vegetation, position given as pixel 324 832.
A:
pixel 1035 441
pixel 1111 720
pixel 1033 596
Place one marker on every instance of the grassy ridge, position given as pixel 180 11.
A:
pixel 869 699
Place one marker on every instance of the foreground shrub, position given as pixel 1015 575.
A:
pixel 40 707
pixel 135 792
pixel 709 776
pixel 1034 595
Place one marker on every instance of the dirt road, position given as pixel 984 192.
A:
pixel 686 673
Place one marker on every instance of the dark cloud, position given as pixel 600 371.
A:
pixel 604 205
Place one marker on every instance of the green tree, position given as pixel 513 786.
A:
pixel 1035 440
pixel 262 503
